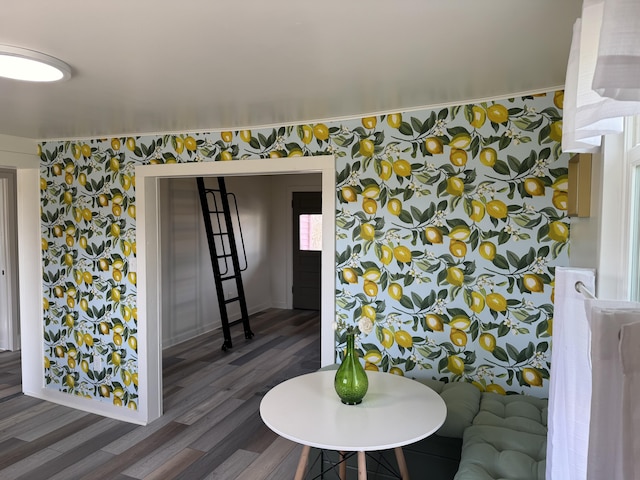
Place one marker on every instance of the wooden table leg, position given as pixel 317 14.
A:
pixel 362 466
pixel 402 464
pixel 302 463
pixel 342 469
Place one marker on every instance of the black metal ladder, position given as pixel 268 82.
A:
pixel 222 248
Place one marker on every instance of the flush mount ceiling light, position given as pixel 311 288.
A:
pixel 28 65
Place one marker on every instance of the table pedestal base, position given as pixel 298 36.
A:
pixel 362 464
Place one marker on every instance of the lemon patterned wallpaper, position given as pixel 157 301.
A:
pixel 450 223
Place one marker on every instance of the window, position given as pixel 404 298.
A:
pixel 310 232
pixel 632 147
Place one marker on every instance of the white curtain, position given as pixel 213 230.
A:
pixel 603 73
pixel 608 456
pixel 570 379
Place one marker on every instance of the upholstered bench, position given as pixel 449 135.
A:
pixel 503 437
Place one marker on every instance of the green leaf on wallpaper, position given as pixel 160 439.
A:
pixel 514 353
pixel 501 167
pixel 543 134
pixel 552 112
pixel 406 302
pixel 405 129
pixel 500 262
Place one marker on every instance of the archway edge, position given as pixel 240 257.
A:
pixel 149 262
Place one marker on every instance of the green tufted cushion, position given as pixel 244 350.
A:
pixel 491 452
pixel 462 400
pixel 518 412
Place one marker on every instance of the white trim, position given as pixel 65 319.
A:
pixel 149 267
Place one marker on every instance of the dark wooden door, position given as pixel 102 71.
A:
pixel 307 245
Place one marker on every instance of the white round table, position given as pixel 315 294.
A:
pixel 396 411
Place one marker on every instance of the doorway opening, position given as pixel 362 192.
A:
pixel 9 296
pixel 150 260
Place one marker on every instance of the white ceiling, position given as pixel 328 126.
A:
pixel 144 66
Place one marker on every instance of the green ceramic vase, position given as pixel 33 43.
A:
pixel 351 382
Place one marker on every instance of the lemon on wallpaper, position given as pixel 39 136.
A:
pixel 560 200
pixel 369 205
pixel 226 136
pixel 555 132
pixel 558 99
pixel 433 145
pixel 532 377
pixel 458 337
pixel 226 155
pixel 394 206
pixel 477 302
pixel 321 131
pixel 373 356
pixel 369 122
pixel 496 302
pixel 488 156
pixel 496 209
pixel 367 231
pixel 487 341
pixel 434 322
pixel 348 194
pixel 460 232
pixel 455 365
pixel 402 168
pixel 396 371
pixel 402 254
pixel 386 169
pixel 403 338
pixel 307 134
pixel 532 282
pixel 458 248
pixel 458 157
pixel 190 143
pixel 558 231
pixel 386 254
pixel 394 120
pixel 534 186
pixel 487 250
pixel 495 388
pixel 387 338
pixel 372 274
pixel 455 276
pixel 479 116
pixel 498 113
pixel 349 275
pixel 245 135
pixel 131 143
pixel 433 235
pixel 461 141
pixel 455 186
pixel 477 210
pixel 395 291
pixel 371 191
pixel 370 288
pixel 367 148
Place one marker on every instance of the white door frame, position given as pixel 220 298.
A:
pixel 149 259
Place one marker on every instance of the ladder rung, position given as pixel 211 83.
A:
pixel 231 300
pixel 220 233
pixel 230 277
pixel 223 256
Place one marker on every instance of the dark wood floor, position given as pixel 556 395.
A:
pixel 211 428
